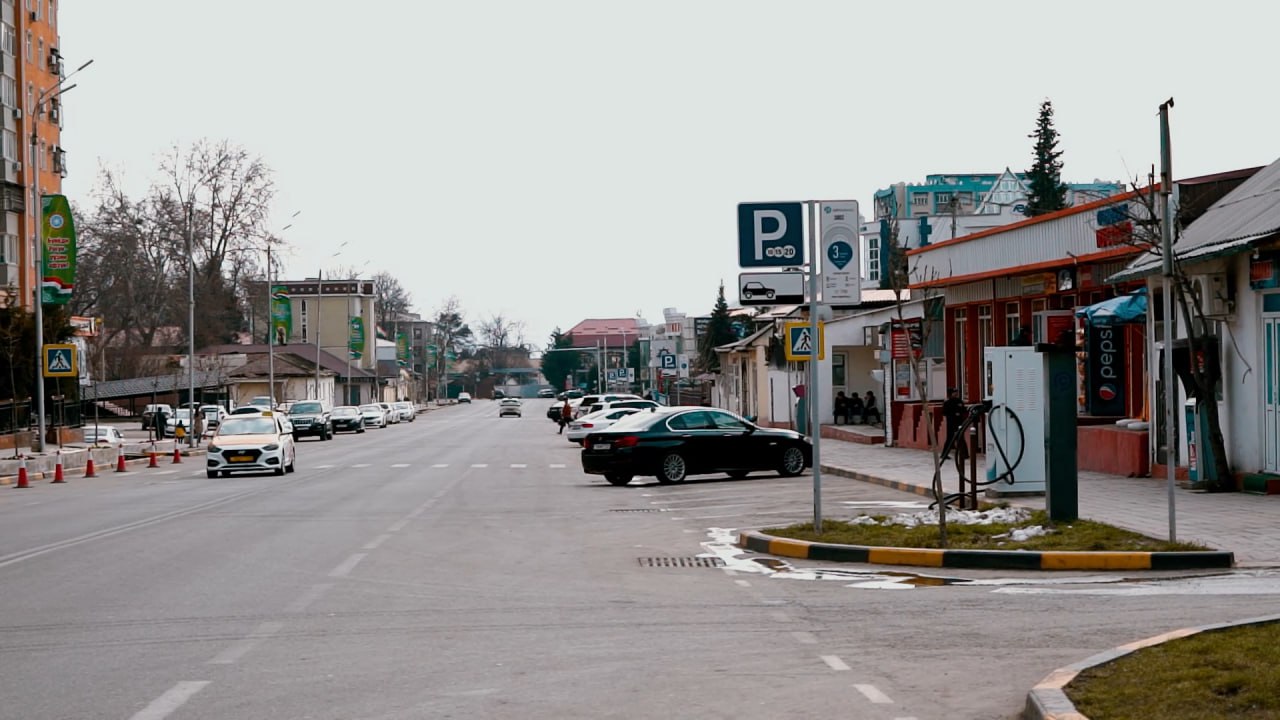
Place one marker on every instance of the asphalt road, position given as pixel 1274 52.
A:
pixel 463 566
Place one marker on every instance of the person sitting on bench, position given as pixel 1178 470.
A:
pixel 841 411
pixel 855 408
pixel 869 409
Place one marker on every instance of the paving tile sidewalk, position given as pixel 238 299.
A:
pixel 1243 524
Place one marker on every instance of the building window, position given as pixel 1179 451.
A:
pixel 873 259
pixel 1012 322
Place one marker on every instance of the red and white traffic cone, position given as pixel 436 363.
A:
pixel 57 470
pixel 22 474
pixel 88 467
pixel 120 460
pixel 177 455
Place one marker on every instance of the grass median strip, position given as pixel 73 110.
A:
pixel 1078 535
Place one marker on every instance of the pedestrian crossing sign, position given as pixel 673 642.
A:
pixel 800 341
pixel 60 361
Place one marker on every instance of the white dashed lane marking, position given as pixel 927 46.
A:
pixel 873 694
pixel 163 706
pixel 835 663
pixel 347 565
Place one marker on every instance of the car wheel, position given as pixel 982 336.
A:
pixel 673 469
pixel 738 474
pixel 618 479
pixel 791 463
pixel 211 473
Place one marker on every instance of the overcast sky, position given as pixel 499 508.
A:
pixel 552 161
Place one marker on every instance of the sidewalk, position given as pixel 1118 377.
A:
pixel 1243 524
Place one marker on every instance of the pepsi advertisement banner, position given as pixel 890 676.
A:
pixel 1106 371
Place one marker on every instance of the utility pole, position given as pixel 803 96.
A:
pixel 1166 257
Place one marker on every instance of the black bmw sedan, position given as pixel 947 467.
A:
pixel 672 443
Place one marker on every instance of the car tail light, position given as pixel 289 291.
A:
pixel 626 441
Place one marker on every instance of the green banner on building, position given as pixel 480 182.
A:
pixel 58 271
pixel 281 314
pixel 404 354
pixel 355 338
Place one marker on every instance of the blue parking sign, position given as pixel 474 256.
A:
pixel 771 234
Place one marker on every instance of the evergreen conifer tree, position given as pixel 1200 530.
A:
pixel 1047 192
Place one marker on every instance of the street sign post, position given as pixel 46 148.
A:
pixel 778 288
pixel 770 234
pixel 60 361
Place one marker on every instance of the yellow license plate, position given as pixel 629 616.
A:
pixel 241 458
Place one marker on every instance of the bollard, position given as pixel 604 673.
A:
pixel 22 473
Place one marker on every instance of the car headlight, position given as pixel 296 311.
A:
pixel 272 446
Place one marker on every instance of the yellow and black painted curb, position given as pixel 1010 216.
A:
pixel 1048 701
pixel 985 559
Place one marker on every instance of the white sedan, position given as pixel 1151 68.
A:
pixel 579 428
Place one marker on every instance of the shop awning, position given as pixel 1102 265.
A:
pixel 1129 308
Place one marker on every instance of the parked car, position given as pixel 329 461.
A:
pixel 103 436
pixel 672 443
pixel 149 414
pixel 311 417
pixel 347 417
pixel 639 404
pixel 509 406
pixel 374 415
pixel 587 424
pixel 262 442
pixel 406 410
pixel 464 397
pixel 393 415
pixel 546 393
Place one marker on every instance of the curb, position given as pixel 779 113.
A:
pixel 106 469
pixel 1048 701
pixel 985 559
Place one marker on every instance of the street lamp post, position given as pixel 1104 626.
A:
pixel 37 211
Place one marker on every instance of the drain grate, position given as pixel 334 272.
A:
pixel 682 562
pixel 635 510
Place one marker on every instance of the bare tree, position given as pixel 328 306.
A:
pixel 902 275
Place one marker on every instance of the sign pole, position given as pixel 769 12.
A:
pixel 815 415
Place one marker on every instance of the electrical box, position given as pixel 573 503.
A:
pixel 1014 381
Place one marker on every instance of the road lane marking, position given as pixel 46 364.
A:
pixel 12 558
pixel 480 465
pixel 805 638
pixel 242 648
pixel 873 694
pixel 557 465
pixel 307 598
pixel 440 465
pixel 163 706
pixel 347 565
pixel 374 543
pixel 400 465
pixel 834 662
pixel 519 465
pixel 742 583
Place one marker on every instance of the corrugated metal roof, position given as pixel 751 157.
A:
pixel 1242 217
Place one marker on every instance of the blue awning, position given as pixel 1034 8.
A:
pixel 1129 308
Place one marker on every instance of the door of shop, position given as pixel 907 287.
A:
pixel 1271 393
